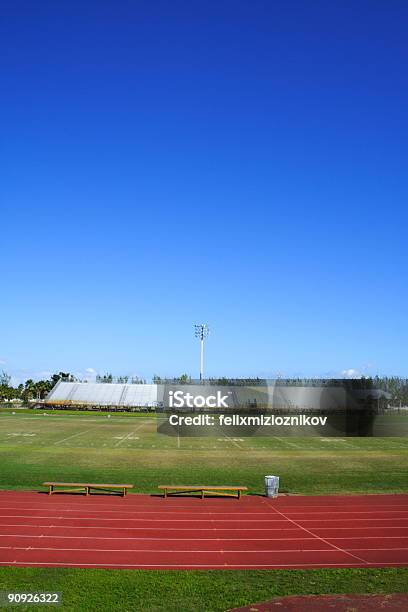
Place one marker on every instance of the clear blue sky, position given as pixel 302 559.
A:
pixel 237 163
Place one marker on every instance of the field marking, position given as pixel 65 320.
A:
pixel 347 442
pixel 25 435
pixel 73 436
pixel 234 442
pixel 128 437
pixel 318 537
pixel 290 443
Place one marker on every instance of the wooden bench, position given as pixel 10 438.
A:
pixel 70 487
pixel 224 491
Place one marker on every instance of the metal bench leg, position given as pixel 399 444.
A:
pixel 239 494
pixel 87 492
pixel 202 494
pixel 51 489
pixel 165 493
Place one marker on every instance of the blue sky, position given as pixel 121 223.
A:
pixel 238 163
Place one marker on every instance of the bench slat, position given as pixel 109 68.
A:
pixel 205 488
pixel 216 490
pixel 86 486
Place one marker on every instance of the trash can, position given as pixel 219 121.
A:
pixel 271 486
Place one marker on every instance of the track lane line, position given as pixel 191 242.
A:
pixel 239 513
pixel 206 565
pixel 235 514
pixel 219 539
pixel 216 551
pixel 318 537
pixel 186 520
pixel 103 527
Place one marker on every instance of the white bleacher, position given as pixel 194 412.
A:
pixel 103 394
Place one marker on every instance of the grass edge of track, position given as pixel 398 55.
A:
pixel 193 590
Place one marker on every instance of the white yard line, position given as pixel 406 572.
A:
pixel 128 436
pixel 73 436
pixel 233 441
pixel 290 443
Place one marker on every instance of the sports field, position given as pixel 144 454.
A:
pixel 126 448
pixel 90 446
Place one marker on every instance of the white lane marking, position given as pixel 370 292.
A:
pixel 56 537
pixel 219 539
pixel 195 513
pixel 172 550
pixel 169 509
pixel 178 529
pixel 206 565
pixel 182 520
pixel 318 537
pixel 187 520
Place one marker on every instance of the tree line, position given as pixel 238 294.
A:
pixel 395 385
pixel 30 389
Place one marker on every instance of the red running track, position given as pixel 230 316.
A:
pixel 144 532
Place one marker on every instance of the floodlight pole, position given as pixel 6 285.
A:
pixel 201 358
pixel 201 332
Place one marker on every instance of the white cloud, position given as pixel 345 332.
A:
pixel 351 373
pixel 43 374
pixel 88 374
pixel 2 362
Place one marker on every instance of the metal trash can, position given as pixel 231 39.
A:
pixel 271 486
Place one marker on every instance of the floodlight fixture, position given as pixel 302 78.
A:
pixel 201 332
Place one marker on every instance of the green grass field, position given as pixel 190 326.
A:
pixel 127 448
pixel 192 591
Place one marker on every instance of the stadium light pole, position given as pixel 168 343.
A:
pixel 201 332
